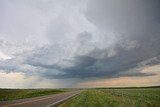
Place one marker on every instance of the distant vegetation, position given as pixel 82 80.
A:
pixel 131 97
pixel 11 94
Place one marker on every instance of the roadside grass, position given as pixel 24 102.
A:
pixel 12 94
pixel 143 97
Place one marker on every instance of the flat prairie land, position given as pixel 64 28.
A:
pixel 132 97
pixel 12 94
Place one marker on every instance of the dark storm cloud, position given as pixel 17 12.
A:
pixel 86 66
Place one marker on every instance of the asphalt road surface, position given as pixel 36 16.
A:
pixel 43 101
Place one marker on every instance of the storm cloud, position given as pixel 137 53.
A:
pixel 79 39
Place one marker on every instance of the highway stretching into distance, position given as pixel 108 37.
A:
pixel 42 101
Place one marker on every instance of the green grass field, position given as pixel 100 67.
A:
pixel 136 97
pixel 11 94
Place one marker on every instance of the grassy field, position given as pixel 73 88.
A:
pixel 11 94
pixel 137 97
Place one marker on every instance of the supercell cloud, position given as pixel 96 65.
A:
pixel 79 39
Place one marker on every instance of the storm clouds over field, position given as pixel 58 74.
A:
pixel 70 43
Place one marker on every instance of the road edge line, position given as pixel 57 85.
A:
pixel 62 100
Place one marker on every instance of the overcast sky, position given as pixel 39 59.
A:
pixel 79 43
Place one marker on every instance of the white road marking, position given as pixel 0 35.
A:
pixel 55 103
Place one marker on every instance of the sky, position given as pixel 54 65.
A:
pixel 79 43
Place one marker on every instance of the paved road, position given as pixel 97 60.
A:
pixel 43 101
